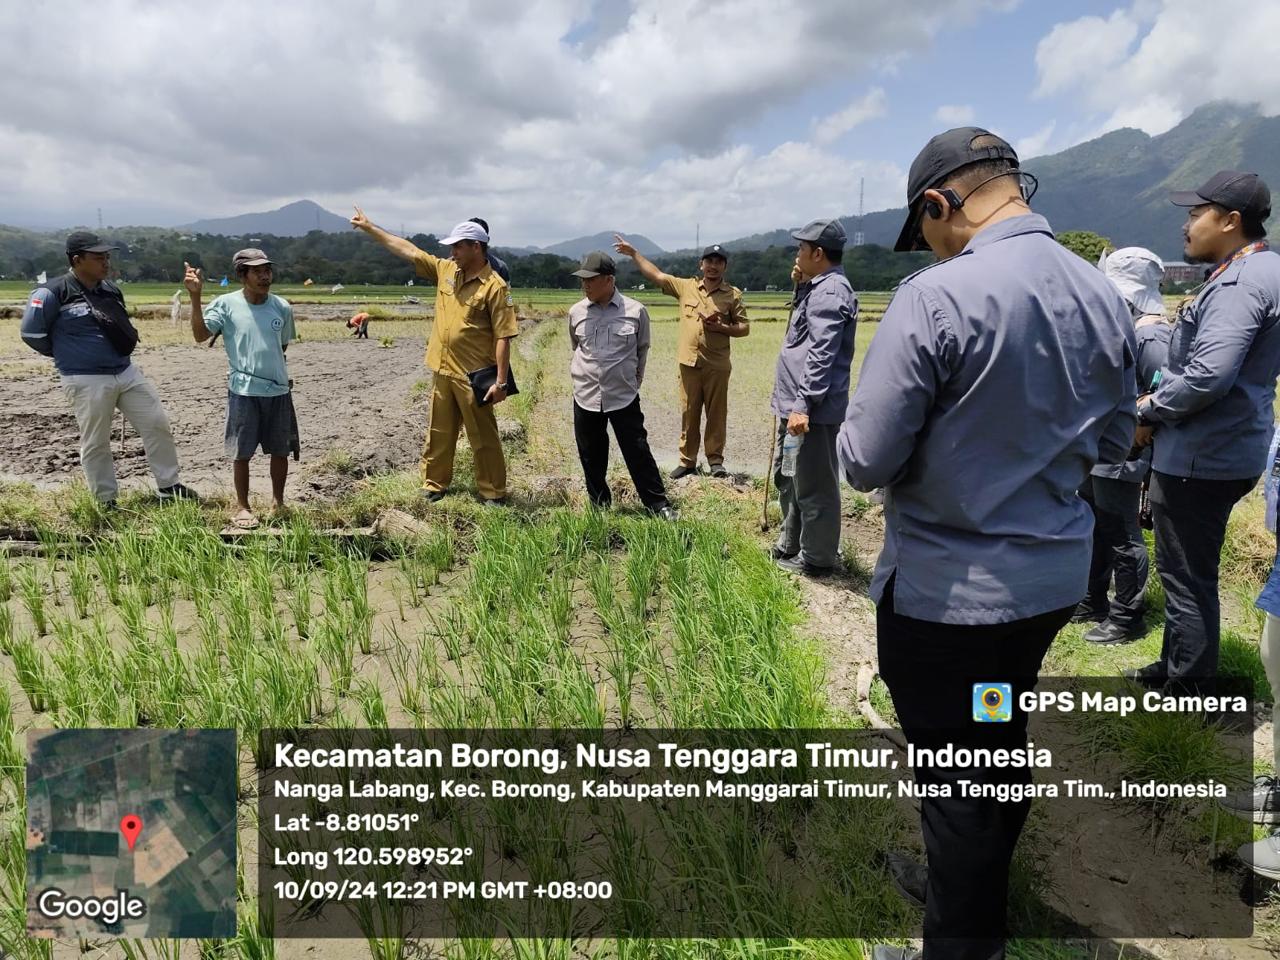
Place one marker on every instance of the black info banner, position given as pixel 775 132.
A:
pixel 648 833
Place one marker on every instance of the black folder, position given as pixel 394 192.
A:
pixel 486 377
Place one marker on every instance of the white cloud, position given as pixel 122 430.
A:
pixel 834 126
pixel 541 115
pixel 1034 144
pixel 1152 63
pixel 955 115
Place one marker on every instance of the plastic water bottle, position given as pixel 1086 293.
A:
pixel 790 451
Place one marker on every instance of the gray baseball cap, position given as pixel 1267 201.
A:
pixel 828 234
pixel 594 264
pixel 249 257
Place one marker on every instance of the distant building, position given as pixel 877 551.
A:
pixel 1179 271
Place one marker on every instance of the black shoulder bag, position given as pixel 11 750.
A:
pixel 112 318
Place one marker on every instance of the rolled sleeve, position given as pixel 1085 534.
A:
pixel 827 314
pixel 290 331
pixel 738 312
pixel 502 312
pixel 911 355
pixel 426 265
pixel 35 327
pixel 215 316
pixel 672 286
pixel 1228 319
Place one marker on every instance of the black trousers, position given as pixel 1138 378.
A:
pixel 590 429
pixel 1118 550
pixel 930 669
pixel 1190 526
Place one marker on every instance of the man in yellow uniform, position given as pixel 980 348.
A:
pixel 475 321
pixel 711 312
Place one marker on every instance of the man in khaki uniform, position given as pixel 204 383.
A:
pixel 711 312
pixel 475 321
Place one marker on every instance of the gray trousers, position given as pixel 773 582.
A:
pixel 810 500
pixel 94 399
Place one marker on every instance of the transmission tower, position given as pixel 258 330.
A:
pixel 858 236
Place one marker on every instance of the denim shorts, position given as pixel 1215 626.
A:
pixel 268 423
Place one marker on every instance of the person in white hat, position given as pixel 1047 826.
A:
pixel 1114 490
pixel 474 323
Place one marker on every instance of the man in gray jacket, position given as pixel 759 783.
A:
pixel 810 391
pixel 998 377
pixel 1211 414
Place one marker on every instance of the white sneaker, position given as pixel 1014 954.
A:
pixel 1263 856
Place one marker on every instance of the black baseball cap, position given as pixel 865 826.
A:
pixel 1231 190
pixel 82 241
pixel 594 264
pixel 715 250
pixel 827 234
pixel 942 156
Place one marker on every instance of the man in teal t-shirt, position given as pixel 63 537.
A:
pixel 256 327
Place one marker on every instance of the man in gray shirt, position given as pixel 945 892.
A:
pixel 998 377
pixel 610 338
pixel 1211 414
pixel 810 391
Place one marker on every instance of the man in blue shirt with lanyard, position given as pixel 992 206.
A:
pixel 1212 414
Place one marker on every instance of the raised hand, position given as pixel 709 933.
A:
pixel 193 279
pixel 360 221
pixel 621 246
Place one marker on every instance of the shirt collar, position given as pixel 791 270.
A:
pixel 614 301
pixel 834 270
pixel 1013 227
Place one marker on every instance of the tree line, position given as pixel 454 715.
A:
pixel 155 255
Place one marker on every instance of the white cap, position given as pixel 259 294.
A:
pixel 1137 273
pixel 467 230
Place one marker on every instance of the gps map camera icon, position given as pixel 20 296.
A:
pixel 992 702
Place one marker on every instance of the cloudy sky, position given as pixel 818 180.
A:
pixel 557 118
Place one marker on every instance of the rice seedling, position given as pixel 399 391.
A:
pixel 300 603
pixel 372 707
pixel 6 578
pixel 6 629
pixel 355 583
pixel 11 758
pixel 34 675
pixel 108 563
pixel 81 585
pixel 31 590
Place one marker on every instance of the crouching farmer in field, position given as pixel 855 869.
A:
pixel 79 320
pixel 256 327
pixel 609 334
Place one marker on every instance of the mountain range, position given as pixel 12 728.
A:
pixel 299 218
pixel 1118 184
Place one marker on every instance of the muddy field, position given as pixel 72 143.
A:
pixel 356 404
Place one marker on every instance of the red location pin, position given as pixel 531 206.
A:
pixel 131 826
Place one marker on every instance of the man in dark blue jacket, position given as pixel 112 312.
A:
pixel 66 319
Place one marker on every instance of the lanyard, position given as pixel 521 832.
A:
pixel 1255 247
